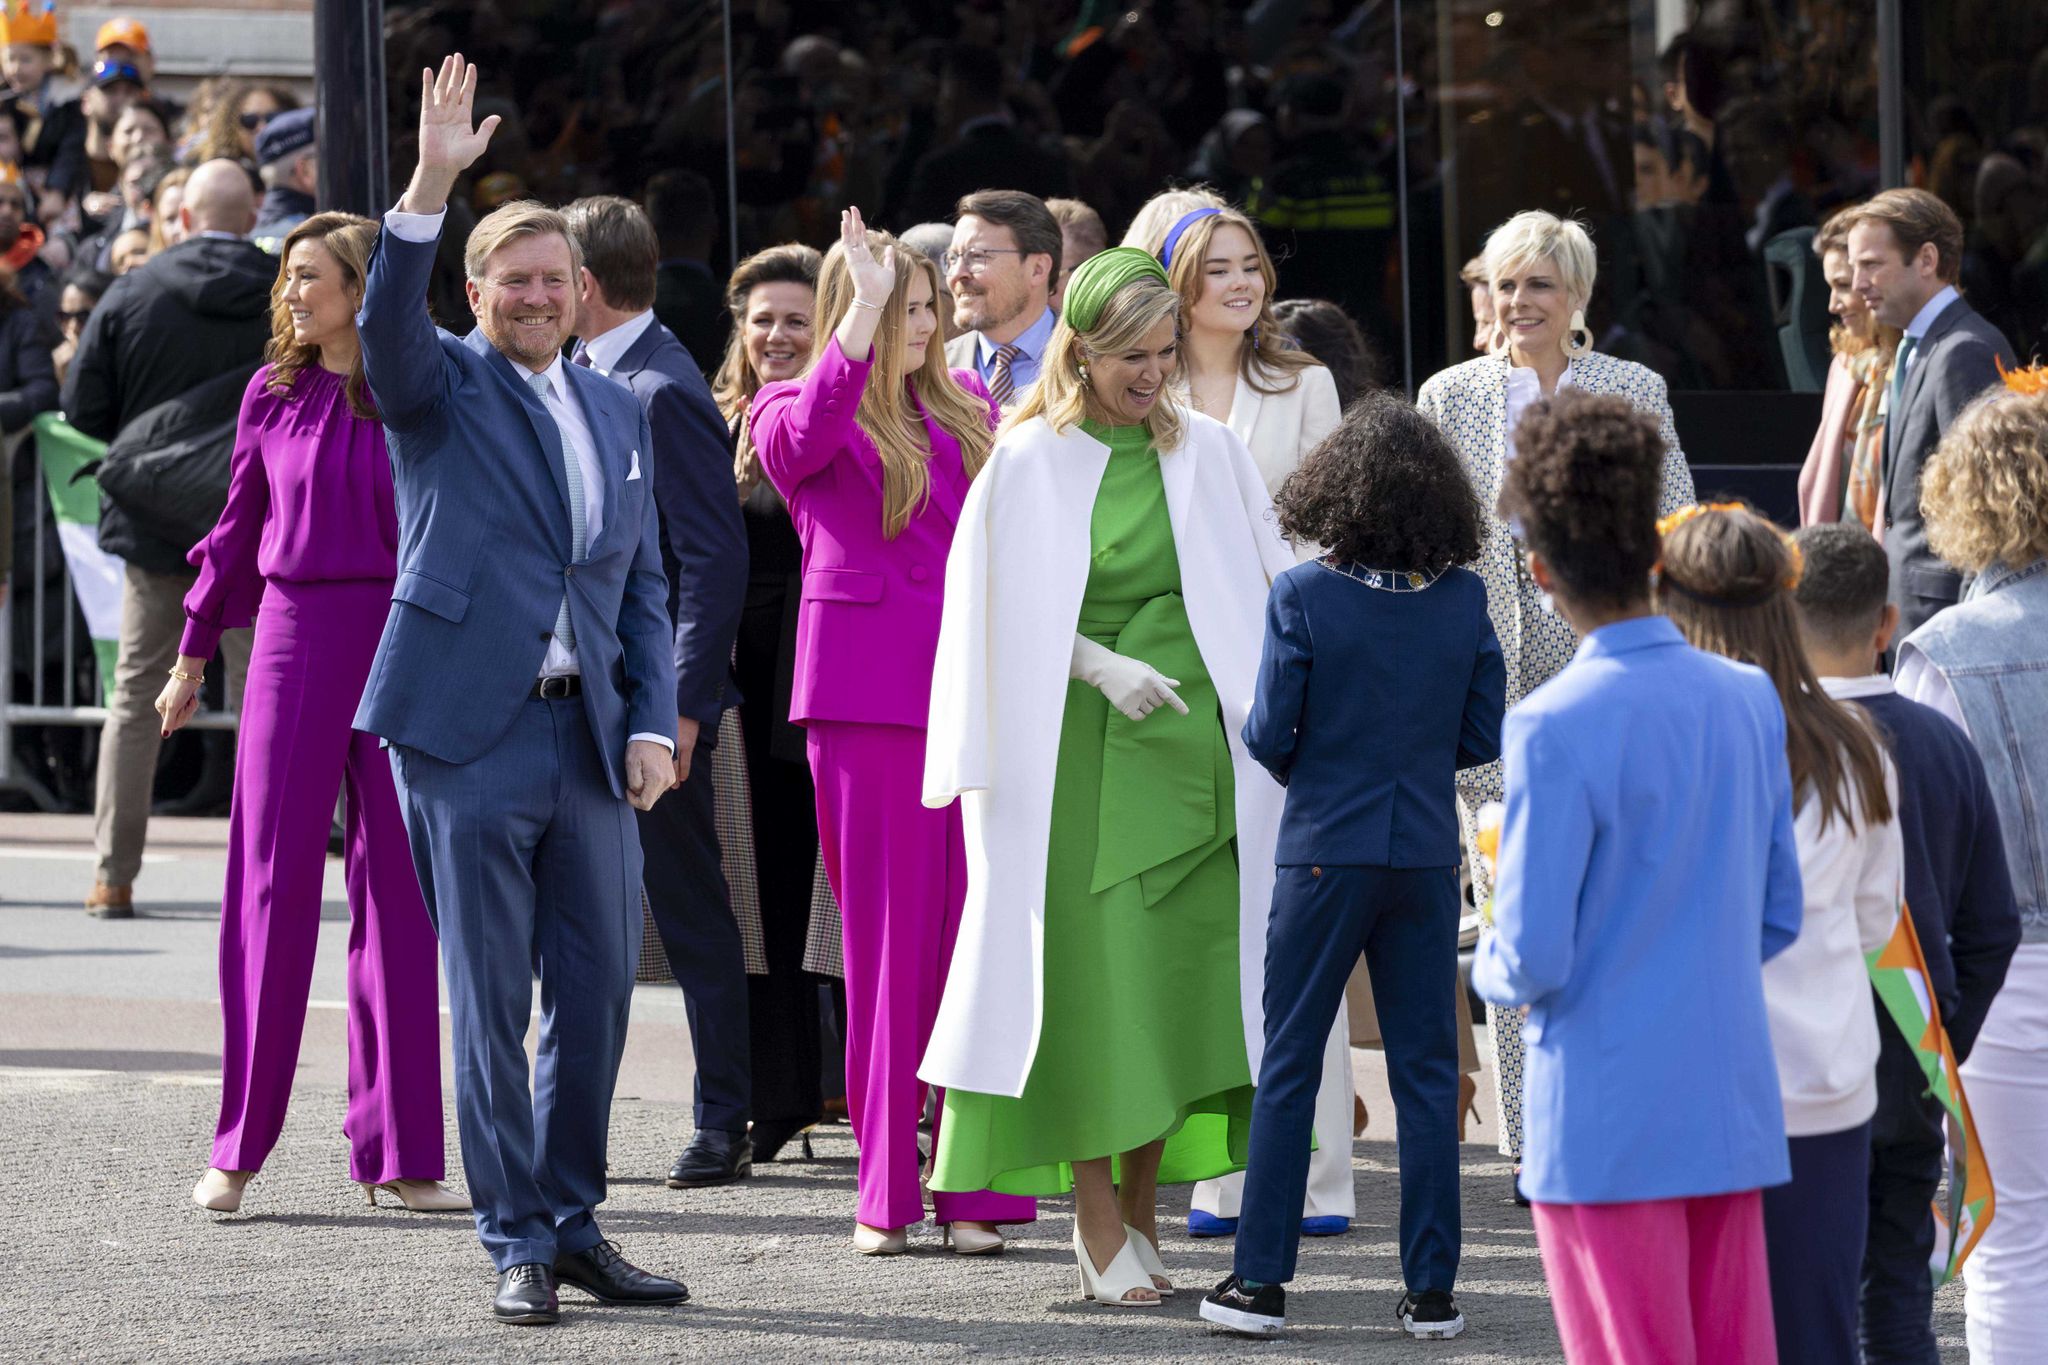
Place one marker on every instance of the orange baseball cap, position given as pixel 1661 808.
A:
pixel 122 32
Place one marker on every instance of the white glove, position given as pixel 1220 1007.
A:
pixel 1133 687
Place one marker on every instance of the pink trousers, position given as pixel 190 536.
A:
pixel 311 657
pixel 1660 1281
pixel 900 872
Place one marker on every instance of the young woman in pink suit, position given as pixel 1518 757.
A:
pixel 308 547
pixel 873 450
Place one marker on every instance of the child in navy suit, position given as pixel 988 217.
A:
pixel 1381 677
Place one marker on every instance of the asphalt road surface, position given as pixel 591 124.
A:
pixel 109 1054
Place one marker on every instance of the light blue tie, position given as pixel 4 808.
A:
pixel 1907 344
pixel 573 469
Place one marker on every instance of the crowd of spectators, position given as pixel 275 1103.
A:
pixel 1687 154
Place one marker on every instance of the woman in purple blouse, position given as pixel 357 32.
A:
pixel 307 548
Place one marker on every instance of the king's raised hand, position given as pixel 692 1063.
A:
pixel 449 141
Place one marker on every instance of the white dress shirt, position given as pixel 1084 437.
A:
pixel 607 349
pixel 1917 328
pixel 563 406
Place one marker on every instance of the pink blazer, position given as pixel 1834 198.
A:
pixel 868 625
pixel 1827 460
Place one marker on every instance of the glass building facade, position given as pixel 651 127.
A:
pixel 1377 143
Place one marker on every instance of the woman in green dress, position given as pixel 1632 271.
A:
pixel 1098 1025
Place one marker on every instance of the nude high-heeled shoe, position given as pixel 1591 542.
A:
pixel 1468 1103
pixel 1148 1256
pixel 220 1191
pixel 879 1241
pixel 421 1196
pixel 1124 1274
pixel 972 1241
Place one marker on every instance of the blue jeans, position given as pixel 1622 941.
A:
pixel 1405 921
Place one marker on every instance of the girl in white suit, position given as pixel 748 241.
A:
pixel 1539 269
pixel 1280 401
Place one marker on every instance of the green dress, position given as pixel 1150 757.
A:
pixel 1142 1036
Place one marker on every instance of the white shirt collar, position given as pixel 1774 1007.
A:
pixel 607 349
pixel 1931 310
pixel 1854 689
pixel 558 383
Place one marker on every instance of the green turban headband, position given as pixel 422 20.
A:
pixel 1096 280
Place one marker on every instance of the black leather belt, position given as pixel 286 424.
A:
pixel 554 689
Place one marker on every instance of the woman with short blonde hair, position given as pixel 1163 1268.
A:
pixel 1540 271
pixel 1102 1021
pixel 1984 664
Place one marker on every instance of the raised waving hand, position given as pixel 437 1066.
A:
pixel 450 140
pixel 873 282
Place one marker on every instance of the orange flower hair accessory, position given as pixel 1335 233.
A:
pixel 2031 379
pixel 1796 561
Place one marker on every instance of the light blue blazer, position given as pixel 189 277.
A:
pixel 1647 872
pixel 484 539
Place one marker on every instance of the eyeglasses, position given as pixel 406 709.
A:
pixel 976 258
pixel 254 122
pixel 105 72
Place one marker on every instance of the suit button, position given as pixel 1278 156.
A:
pixel 1315 872
pixel 918 573
pixel 570 571
pixel 1887 521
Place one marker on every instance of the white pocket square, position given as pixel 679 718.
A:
pixel 634 472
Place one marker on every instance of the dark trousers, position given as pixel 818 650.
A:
pixel 1405 921
pixel 1813 1235
pixel 783 1006
pixel 530 865
pixel 693 914
pixel 1905 1168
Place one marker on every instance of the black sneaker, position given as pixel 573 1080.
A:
pixel 1261 1314
pixel 1432 1315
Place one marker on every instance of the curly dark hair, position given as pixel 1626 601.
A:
pixel 1384 489
pixel 1326 331
pixel 1582 490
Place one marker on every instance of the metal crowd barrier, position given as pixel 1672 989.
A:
pixel 54 615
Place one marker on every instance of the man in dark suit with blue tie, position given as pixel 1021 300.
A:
pixel 525 685
pixel 1906 249
pixel 704 550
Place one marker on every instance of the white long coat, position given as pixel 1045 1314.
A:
pixel 1014 583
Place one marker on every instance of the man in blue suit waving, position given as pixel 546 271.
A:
pixel 526 686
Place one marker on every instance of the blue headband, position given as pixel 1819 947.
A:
pixel 1187 221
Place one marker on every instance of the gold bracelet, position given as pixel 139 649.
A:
pixel 187 677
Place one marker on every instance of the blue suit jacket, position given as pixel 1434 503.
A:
pixel 484 539
pixel 1648 870
pixel 1368 702
pixel 703 539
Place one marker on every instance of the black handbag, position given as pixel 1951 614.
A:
pixel 164 479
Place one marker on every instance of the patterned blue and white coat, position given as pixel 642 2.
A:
pixel 1469 402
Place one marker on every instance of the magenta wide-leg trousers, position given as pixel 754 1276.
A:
pixel 900 872
pixel 311 658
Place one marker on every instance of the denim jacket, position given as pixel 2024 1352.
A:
pixel 1992 647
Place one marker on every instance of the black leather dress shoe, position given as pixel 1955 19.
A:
pixel 770 1136
pixel 609 1278
pixel 526 1296
pixel 714 1157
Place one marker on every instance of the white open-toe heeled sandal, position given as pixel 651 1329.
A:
pixel 1124 1273
pixel 1148 1256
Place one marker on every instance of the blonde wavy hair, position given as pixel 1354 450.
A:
pixel 1156 217
pixel 886 413
pixel 1265 361
pixel 1061 395
pixel 734 386
pixel 349 240
pixel 1531 236
pixel 1985 491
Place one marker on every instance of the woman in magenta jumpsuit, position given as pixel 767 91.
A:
pixel 873 450
pixel 308 547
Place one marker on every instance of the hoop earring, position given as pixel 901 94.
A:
pixel 1579 341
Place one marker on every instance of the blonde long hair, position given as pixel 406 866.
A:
pixel 1265 361
pixel 1061 393
pixel 885 413
pixel 734 386
pixel 349 240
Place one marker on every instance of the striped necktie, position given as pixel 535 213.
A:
pixel 1001 382
pixel 573 469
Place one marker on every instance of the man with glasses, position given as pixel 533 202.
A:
pixel 1004 259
